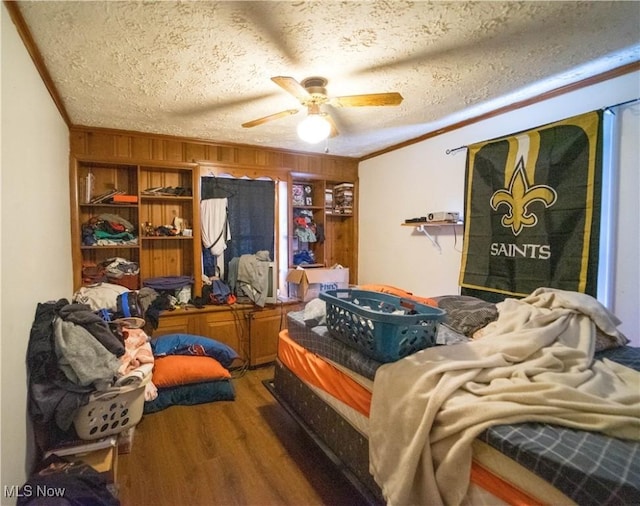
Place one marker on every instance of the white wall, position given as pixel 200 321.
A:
pixel 420 178
pixel 36 240
pixel 626 273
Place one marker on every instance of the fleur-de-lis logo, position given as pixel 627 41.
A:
pixel 518 198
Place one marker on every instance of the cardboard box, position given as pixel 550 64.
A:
pixel 101 454
pixel 306 284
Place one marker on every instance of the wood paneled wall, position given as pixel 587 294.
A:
pixel 135 147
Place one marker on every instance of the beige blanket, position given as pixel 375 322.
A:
pixel 535 363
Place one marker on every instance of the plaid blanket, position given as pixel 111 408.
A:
pixel 590 468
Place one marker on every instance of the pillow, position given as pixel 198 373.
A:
pixel 398 292
pixel 187 344
pixel 606 341
pixel 603 341
pixel 315 313
pixel 174 370
pixel 447 336
pixel 189 395
pixel 466 314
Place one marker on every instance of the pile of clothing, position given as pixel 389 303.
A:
pixel 115 269
pixel 304 257
pixel 305 228
pixel 249 276
pixel 74 352
pixel 108 229
pixel 104 299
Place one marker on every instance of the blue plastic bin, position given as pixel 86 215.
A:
pixel 382 326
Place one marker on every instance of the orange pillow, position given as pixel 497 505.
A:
pixel 173 370
pixel 398 292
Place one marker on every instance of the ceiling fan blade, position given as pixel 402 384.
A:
pixel 290 85
pixel 334 129
pixel 371 99
pixel 271 117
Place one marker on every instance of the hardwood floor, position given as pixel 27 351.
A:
pixel 243 452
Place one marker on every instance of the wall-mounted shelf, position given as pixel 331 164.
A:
pixel 422 226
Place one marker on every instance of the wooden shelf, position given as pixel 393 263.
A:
pixel 155 255
pixel 119 206
pixel 110 246
pixel 165 237
pixel 422 226
pixel 165 197
pixel 338 246
pixel 314 208
pixel 431 223
pixel 251 331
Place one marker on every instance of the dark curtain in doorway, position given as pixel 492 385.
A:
pixel 251 215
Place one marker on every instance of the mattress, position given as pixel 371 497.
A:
pixel 318 340
pixel 298 378
pixel 323 375
pixel 343 437
pixel 586 467
pixel 347 447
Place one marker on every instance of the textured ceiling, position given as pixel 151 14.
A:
pixel 201 69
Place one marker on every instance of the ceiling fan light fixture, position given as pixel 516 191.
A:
pixel 314 128
pixel 312 94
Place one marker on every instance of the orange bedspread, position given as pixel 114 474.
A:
pixel 321 374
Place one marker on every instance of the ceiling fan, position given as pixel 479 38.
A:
pixel 312 94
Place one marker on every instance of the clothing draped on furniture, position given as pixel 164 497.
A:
pixel 82 315
pixel 215 229
pixel 52 396
pixel 83 359
pixel 137 362
pixel 249 275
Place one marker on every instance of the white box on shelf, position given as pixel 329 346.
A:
pixel 306 284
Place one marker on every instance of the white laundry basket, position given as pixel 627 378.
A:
pixel 111 411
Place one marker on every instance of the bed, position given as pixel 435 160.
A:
pixel 336 393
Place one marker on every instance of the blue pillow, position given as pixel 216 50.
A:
pixel 187 344
pixel 189 395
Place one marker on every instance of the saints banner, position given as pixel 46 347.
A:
pixel 532 210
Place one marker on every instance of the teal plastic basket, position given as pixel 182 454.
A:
pixel 381 326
